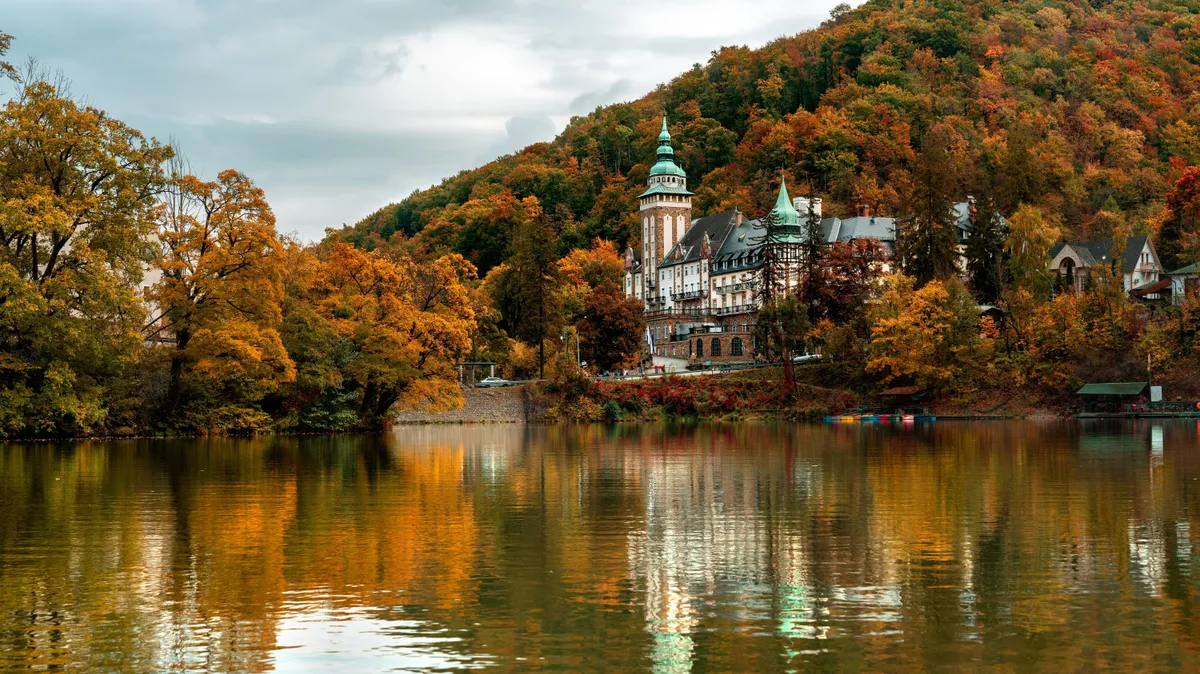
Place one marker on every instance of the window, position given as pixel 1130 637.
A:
pixel 716 346
pixel 699 348
pixel 735 346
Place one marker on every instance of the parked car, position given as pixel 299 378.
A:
pixel 492 382
pixel 806 358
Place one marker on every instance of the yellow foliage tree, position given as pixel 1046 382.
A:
pixel 1031 233
pixel 77 189
pixel 407 323
pixel 925 336
pixel 219 293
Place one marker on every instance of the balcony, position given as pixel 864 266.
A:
pixel 699 312
pixel 737 287
pixel 689 295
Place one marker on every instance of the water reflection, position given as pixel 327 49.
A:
pixel 1031 546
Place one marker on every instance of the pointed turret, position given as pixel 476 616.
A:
pixel 785 213
pixel 666 166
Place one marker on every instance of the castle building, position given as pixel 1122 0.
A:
pixel 698 279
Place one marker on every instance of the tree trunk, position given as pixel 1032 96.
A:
pixel 175 385
pixel 789 377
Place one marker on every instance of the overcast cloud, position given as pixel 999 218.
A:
pixel 338 107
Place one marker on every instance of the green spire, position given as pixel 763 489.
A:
pixel 785 212
pixel 666 155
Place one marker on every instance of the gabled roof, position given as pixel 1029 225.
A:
pixel 688 249
pixel 1092 253
pixel 1186 271
pixel 738 246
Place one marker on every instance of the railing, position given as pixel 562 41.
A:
pixel 737 287
pixel 689 295
pixel 735 309
pixel 666 313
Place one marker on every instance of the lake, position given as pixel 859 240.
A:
pixel 1015 546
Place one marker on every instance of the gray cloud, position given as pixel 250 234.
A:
pixel 337 107
pixel 519 132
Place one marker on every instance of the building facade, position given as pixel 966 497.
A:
pixel 698 278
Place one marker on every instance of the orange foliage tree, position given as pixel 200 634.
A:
pixel 219 293
pixel 405 323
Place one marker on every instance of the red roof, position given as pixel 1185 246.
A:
pixel 1157 287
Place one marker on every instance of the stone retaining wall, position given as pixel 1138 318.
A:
pixel 496 405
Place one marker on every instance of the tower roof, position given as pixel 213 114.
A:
pixel 666 166
pixel 785 213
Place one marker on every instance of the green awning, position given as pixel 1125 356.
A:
pixel 1122 389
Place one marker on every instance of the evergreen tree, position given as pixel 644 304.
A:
pixel 535 276
pixel 985 250
pixel 771 283
pixel 780 330
pixel 926 243
pixel 813 253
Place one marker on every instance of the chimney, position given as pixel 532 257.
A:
pixel 629 258
pixel 801 205
pixel 864 210
pixel 972 211
pixel 737 221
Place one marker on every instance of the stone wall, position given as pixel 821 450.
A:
pixel 510 404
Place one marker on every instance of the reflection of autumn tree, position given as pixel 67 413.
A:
pixel 755 546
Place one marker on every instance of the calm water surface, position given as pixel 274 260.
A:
pixel 1014 547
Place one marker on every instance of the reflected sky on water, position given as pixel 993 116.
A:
pixel 1013 546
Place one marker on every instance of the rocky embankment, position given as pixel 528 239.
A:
pixel 486 405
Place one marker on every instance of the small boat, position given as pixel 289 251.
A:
pixel 926 417
pixel 908 418
pixel 847 418
pixel 869 418
pixel 829 419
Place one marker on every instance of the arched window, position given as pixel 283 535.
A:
pixel 735 346
pixel 716 346
pixel 699 348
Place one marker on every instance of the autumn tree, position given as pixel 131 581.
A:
pixel 614 217
pixel 1179 236
pixel 853 272
pixel 927 242
pixel 925 336
pixel 6 69
pixel 1031 233
pixel 611 330
pixel 77 195
pixel 219 293
pixel 398 327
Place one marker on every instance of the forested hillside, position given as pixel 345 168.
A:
pixel 1084 109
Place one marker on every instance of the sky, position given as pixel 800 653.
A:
pixel 339 107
